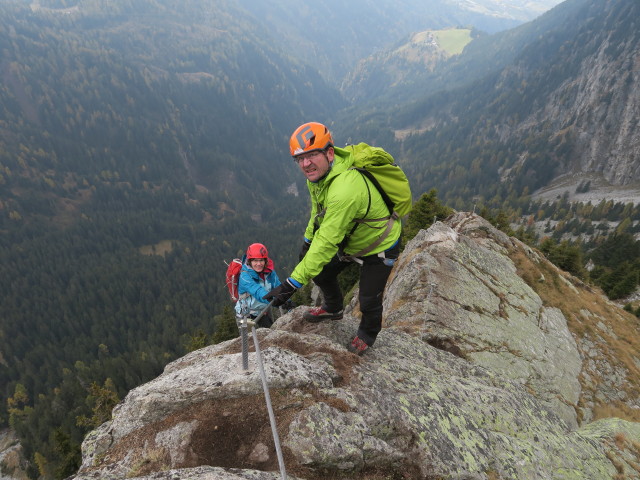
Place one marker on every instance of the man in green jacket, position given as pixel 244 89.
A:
pixel 341 198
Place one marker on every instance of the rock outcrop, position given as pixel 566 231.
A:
pixel 493 364
pixel 13 465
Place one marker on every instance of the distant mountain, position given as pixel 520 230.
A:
pixel 512 9
pixel 396 67
pixel 333 35
pixel 482 56
pixel 557 95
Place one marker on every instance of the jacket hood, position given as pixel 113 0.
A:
pixel 342 160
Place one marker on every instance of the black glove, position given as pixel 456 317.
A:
pixel 281 293
pixel 304 250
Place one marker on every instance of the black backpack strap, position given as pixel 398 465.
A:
pixel 320 214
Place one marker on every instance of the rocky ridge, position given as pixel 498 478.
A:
pixel 13 465
pixel 493 364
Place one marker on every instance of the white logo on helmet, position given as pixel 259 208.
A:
pixel 297 151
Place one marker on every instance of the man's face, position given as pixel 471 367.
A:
pixel 315 165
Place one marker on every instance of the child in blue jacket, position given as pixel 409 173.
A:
pixel 257 278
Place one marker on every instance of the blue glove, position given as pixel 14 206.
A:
pixel 281 293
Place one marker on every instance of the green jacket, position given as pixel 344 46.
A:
pixel 345 196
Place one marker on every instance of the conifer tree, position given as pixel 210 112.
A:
pixel 68 454
pixel 196 341
pixel 427 209
pixel 226 327
pixel 103 398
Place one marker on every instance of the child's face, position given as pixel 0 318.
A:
pixel 258 264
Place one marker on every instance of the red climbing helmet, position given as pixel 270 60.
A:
pixel 257 250
pixel 310 137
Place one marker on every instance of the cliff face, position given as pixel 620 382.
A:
pixel 596 108
pixel 600 109
pixel 492 365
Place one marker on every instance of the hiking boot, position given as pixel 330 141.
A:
pixel 358 346
pixel 317 314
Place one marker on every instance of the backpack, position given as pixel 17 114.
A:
pixel 380 168
pixel 232 276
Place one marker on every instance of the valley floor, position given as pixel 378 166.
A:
pixel 599 190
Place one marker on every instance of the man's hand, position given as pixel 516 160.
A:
pixel 281 293
pixel 304 250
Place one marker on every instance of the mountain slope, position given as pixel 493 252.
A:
pixel 598 106
pixel 551 109
pixel 483 56
pixel 393 68
pixel 141 144
pixel 102 81
pixel 332 35
pixel 523 11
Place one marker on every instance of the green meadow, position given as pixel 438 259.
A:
pixel 453 40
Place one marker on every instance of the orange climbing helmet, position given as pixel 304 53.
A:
pixel 257 250
pixel 310 137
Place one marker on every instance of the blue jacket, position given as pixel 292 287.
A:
pixel 253 286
